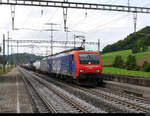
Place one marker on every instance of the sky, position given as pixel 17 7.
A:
pixel 108 26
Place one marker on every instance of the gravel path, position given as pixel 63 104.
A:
pixel 13 95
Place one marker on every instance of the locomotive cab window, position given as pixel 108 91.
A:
pixel 88 58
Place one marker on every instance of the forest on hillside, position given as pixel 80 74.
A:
pixel 20 58
pixel 140 39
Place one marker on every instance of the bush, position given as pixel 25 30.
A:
pixel 144 48
pixel 131 63
pixel 146 66
pixel 118 62
pixel 137 67
pixel 136 49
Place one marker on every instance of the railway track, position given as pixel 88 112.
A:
pixel 135 104
pixel 128 103
pixel 68 100
pixel 75 106
pixel 134 99
pixel 49 106
pixel 41 103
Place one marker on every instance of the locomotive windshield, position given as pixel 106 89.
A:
pixel 88 58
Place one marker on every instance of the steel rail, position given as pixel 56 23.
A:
pixel 120 93
pixel 114 99
pixel 70 101
pixel 49 106
pixel 126 103
pixel 61 95
pixel 109 97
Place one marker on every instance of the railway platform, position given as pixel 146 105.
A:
pixel 13 95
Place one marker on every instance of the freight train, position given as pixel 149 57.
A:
pixel 76 65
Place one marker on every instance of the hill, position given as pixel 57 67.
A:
pixel 22 58
pixel 140 38
pixel 108 58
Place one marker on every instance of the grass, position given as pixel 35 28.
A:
pixel 112 70
pixel 7 70
pixel 108 58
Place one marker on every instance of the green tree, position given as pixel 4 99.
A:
pixel 146 66
pixel 118 62
pixel 136 49
pixel 0 56
pixel 0 59
pixel 131 63
pixel 140 38
pixel 144 48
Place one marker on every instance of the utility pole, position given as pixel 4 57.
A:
pixel 11 55
pixel 51 24
pixel 66 36
pixel 46 51
pixel 128 3
pixel 4 62
pixel 51 39
pixel 74 41
pixel 8 47
pixel 17 53
pixel 12 15
pixel 32 49
pixel 42 11
pixel 65 17
pixel 135 21
pixel 98 44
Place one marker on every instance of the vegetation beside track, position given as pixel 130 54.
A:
pixel 108 58
pixel 112 70
pixel 8 69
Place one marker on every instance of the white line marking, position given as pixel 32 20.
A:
pixel 18 108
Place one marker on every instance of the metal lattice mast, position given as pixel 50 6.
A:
pixel 4 58
pixel 128 2
pixel 66 36
pixel 13 15
pixel 65 16
pixel 41 46
pixel 135 21
pixel 77 5
pixel 47 41
pixel 51 24
pixel 17 51
pixel 8 47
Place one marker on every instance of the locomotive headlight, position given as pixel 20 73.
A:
pixel 82 70
pixel 97 70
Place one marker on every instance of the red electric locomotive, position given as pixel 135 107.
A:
pixel 83 67
pixel 88 67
